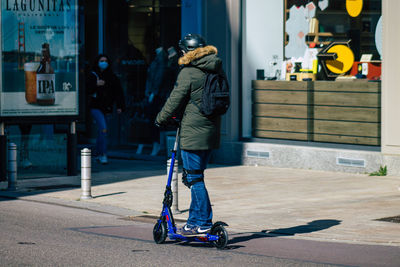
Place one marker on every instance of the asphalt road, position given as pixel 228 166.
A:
pixel 38 234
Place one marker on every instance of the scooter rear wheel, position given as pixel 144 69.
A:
pixel 160 232
pixel 222 234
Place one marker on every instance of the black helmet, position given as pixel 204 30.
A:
pixel 191 42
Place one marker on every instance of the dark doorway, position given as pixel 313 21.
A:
pixel 133 30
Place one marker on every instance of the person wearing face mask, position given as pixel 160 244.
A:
pixel 104 89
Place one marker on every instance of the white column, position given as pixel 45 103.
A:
pixel 86 174
pixel 262 38
pixel 390 78
pixel 12 167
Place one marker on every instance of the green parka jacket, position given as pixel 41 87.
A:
pixel 198 132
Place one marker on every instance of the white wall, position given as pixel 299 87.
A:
pixel 390 77
pixel 222 28
pixel 262 38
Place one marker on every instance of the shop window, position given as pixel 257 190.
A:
pixel 328 43
pixel 324 21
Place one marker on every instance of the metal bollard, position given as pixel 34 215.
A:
pixel 86 174
pixel 174 185
pixel 12 167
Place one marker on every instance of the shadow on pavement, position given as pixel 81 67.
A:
pixel 314 226
pixel 111 194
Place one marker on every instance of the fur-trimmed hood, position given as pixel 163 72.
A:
pixel 198 53
pixel 198 131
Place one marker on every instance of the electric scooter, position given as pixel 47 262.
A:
pixel 165 225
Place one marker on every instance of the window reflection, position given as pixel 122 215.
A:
pixel 135 29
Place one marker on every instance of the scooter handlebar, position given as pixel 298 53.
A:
pixel 172 122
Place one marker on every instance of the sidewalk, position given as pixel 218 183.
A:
pixel 292 203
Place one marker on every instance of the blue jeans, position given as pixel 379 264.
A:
pixel 101 140
pixel 200 212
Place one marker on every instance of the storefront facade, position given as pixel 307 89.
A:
pixel 260 128
pixel 253 35
pixel 346 144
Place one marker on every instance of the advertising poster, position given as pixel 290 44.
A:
pixel 39 62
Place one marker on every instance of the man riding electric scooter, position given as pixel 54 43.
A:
pixel 199 133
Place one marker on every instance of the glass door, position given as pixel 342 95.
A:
pixel 135 32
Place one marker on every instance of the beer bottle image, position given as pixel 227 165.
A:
pixel 45 79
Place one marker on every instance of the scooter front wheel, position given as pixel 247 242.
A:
pixel 222 234
pixel 160 232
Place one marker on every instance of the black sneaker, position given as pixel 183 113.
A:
pixel 203 229
pixel 188 230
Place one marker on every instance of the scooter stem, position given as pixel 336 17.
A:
pixel 176 140
pixel 174 151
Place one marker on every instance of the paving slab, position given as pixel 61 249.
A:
pixel 290 203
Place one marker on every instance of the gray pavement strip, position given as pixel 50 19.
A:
pixel 284 202
pixel 95 207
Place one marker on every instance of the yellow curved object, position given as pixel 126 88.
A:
pixel 344 60
pixel 354 7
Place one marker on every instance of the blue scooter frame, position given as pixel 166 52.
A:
pixel 165 225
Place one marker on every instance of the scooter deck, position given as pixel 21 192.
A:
pixel 199 238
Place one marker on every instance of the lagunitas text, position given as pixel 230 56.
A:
pixel 38 5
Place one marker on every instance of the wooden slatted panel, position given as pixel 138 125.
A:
pixel 284 100
pixel 287 111
pixel 356 86
pixel 279 85
pixel 347 114
pixel 342 112
pixel 347 128
pixel 278 124
pixel 280 97
pixel 347 99
pixel 372 141
pixel 280 135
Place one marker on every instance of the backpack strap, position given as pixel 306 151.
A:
pixel 190 100
pixel 194 103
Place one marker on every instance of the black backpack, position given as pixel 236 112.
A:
pixel 215 98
